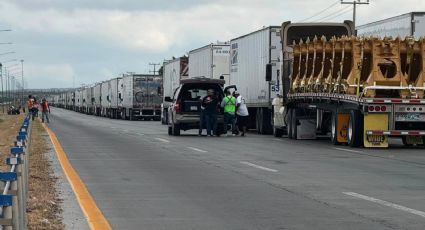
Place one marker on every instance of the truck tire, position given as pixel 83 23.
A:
pixel 334 129
pixel 130 111
pixel 176 130
pixel 263 122
pixel 294 124
pixel 355 129
pixel 289 123
pixel 277 132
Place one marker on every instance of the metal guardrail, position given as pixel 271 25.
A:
pixel 13 200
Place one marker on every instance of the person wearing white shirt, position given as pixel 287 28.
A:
pixel 241 112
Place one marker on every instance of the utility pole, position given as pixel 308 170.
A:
pixel 2 92
pixel 22 81
pixel 154 68
pixel 355 3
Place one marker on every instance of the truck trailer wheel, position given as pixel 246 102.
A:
pixel 277 132
pixel 294 124
pixel 355 129
pixel 131 114
pixel 263 122
pixel 176 130
pixel 334 129
pixel 289 123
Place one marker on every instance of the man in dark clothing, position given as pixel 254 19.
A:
pixel 45 110
pixel 210 104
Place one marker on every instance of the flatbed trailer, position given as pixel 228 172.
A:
pixel 355 120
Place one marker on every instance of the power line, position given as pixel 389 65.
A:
pixel 320 12
pixel 332 14
pixel 344 11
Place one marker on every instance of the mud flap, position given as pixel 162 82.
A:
pixel 342 127
pixel 375 121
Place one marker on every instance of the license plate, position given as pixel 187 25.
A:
pixel 375 138
pixel 409 117
pixel 194 108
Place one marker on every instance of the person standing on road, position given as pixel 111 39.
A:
pixel 45 110
pixel 210 103
pixel 241 112
pixel 30 103
pixel 229 105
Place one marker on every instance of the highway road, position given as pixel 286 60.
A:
pixel 141 178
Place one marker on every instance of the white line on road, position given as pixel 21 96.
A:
pixel 163 140
pixel 348 150
pixel 386 203
pixel 198 150
pixel 258 166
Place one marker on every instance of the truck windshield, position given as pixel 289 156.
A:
pixel 295 33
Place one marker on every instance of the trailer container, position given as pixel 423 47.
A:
pixel 410 24
pixel 97 98
pixel 115 98
pixel 142 96
pixel 105 98
pixel 78 99
pixel 210 61
pixel 249 56
pixel 173 71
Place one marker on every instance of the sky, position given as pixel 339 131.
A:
pixel 66 43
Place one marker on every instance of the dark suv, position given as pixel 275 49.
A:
pixel 184 112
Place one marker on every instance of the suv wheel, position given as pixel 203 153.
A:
pixel 176 130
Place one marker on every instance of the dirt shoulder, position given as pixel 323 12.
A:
pixel 44 205
pixel 9 127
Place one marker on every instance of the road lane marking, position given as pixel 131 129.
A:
pixel 258 166
pixel 386 203
pixel 198 150
pixel 163 140
pixel 349 150
pixel 94 215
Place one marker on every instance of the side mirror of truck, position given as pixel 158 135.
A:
pixel 168 99
pixel 269 72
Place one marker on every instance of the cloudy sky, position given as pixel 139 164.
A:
pixel 67 42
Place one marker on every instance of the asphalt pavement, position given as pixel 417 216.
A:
pixel 141 178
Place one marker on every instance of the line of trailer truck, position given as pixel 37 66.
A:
pixel 301 79
pixel 130 96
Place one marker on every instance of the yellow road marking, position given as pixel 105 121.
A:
pixel 93 214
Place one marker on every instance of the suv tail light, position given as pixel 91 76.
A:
pixel 177 106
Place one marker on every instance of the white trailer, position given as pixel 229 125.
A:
pixel 410 24
pixel 249 57
pixel 70 100
pixel 97 97
pixel 210 61
pixel 84 102
pixel 105 98
pixel 115 85
pixel 173 71
pixel 78 99
pixel 142 96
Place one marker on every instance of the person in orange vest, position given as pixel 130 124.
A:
pixel 30 103
pixel 45 110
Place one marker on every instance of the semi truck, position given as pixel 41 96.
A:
pixel 141 96
pixel 210 61
pixel 114 97
pixel 250 54
pixel 97 98
pixel 105 100
pixel 173 71
pixel 360 90
pixel 410 24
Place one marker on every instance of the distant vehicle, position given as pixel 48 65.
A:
pixel 410 24
pixel 210 61
pixel 173 71
pixel 141 97
pixel 186 104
